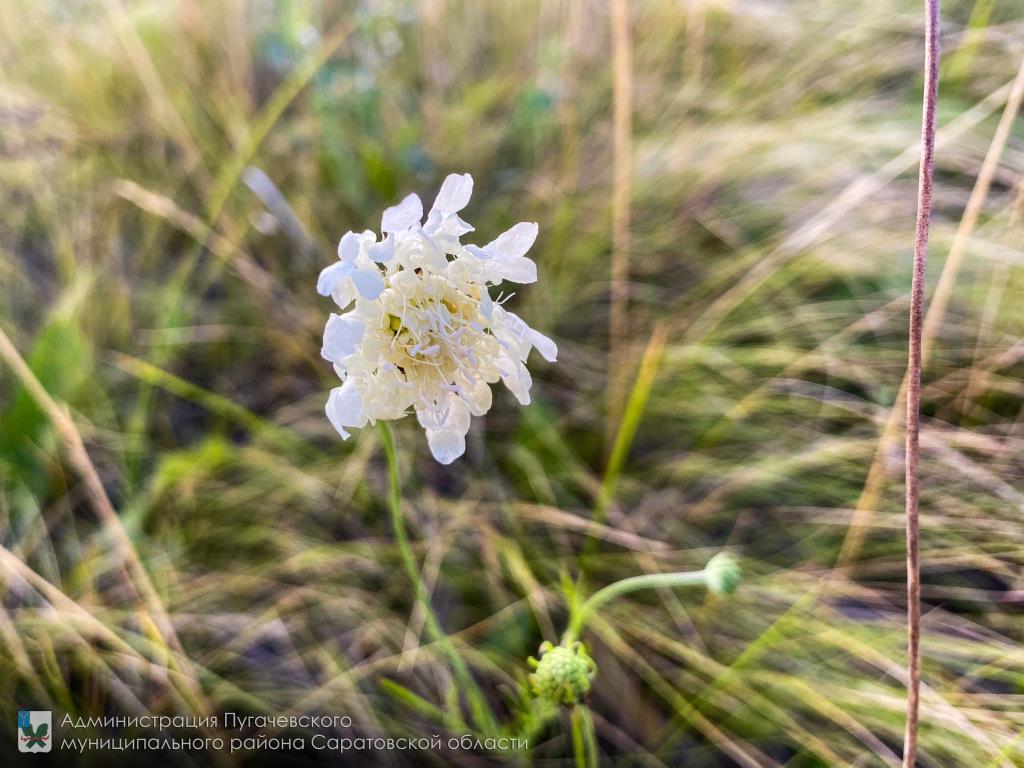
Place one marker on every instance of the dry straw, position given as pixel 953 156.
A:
pixel 924 207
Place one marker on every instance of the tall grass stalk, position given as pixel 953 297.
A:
pixel 622 193
pixel 636 403
pixel 924 208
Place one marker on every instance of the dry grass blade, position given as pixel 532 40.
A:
pixel 97 495
pixel 924 213
pixel 933 317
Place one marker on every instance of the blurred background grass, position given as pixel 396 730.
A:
pixel 174 176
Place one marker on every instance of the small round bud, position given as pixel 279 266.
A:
pixel 563 673
pixel 723 573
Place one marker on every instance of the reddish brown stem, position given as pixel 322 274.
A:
pixel 924 207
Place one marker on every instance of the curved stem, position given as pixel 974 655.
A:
pixel 924 205
pixel 477 705
pixel 619 588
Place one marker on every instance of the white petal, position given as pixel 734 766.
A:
pixel 446 227
pixel 446 444
pixel 422 251
pixel 399 218
pixel 430 418
pixel 454 226
pixel 341 337
pixel 331 276
pixel 434 221
pixel 454 193
pixel 382 251
pixel 449 412
pixel 515 242
pixel 510 325
pixel 369 283
pixel 348 248
pixel 344 293
pixel 517 270
pixel 486 304
pixel 512 332
pixel 435 414
pixel 505 255
pixel 478 397
pixel 458 415
pixel 345 408
pixel 547 348
pixel 518 381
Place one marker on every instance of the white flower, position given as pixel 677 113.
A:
pixel 420 330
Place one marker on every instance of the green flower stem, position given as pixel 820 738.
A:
pixel 632 584
pixel 478 706
pixel 584 740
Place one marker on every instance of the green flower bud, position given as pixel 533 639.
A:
pixel 723 573
pixel 563 673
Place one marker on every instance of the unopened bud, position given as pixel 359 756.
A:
pixel 723 573
pixel 563 673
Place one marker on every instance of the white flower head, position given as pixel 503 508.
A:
pixel 419 329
